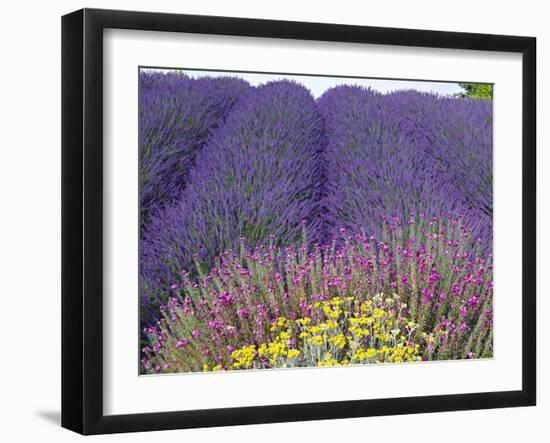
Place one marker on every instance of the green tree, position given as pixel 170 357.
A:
pixel 476 90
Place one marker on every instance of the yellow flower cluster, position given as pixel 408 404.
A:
pixel 277 352
pixel 340 331
pixel 244 356
pixel 329 361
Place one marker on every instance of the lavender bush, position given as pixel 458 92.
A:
pixel 380 164
pixel 457 137
pixel 258 176
pixel 176 115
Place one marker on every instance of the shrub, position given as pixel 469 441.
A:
pixel 176 115
pixel 258 176
pixel 457 136
pixel 407 153
pixel 482 91
pixel 373 169
pixel 418 293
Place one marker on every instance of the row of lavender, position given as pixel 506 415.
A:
pixel 221 160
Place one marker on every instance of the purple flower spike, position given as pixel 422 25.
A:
pixel 176 115
pixel 390 156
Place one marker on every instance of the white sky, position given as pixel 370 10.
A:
pixel 318 85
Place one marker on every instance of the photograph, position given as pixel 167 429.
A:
pixel 298 221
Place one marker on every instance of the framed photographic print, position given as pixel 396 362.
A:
pixel 270 221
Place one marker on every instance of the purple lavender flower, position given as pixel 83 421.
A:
pixel 389 156
pixel 374 172
pixel 176 115
pixel 457 135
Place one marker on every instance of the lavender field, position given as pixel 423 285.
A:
pixel 279 230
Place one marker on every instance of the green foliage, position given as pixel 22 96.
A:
pixel 476 90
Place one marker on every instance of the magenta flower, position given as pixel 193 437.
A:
pixel 215 324
pixel 434 276
pixel 146 363
pixel 243 312
pixel 181 343
pixel 427 295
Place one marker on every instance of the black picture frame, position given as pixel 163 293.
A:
pixel 82 219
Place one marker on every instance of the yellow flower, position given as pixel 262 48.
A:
pixel 262 350
pixel 370 353
pixel 244 356
pixel 293 353
pixel 338 340
pixel 284 336
pixel 279 323
pixel 328 361
pixel 316 340
pixel 315 329
pixel 304 321
pixel 378 313
pixel 330 324
pixel 276 349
